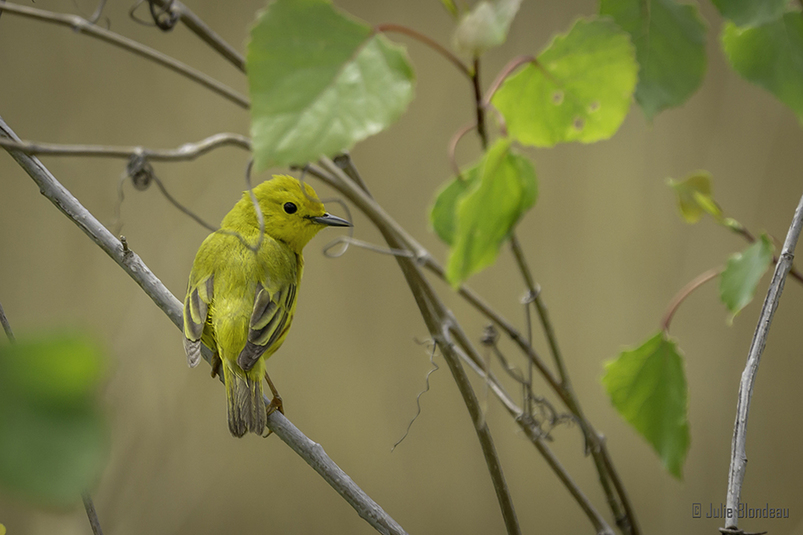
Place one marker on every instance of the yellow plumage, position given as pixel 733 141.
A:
pixel 241 295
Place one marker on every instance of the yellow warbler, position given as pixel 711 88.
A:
pixel 241 298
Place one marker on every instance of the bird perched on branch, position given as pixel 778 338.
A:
pixel 241 296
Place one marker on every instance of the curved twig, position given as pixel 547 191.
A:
pixel 388 225
pixel 685 292
pixel 186 152
pixel 199 28
pixel 440 324
pixel 81 25
pixel 452 150
pixel 738 462
pixel 428 41
pixel 506 71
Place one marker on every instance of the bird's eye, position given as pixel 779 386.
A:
pixel 290 208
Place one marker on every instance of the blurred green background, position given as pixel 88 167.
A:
pixel 604 241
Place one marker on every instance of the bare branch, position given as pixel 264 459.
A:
pixel 6 325
pixel 479 109
pixel 199 28
pixel 94 522
pixel 439 322
pixel 536 437
pixel 186 152
pixel 738 462
pixel 609 478
pixel 82 25
pixel 348 240
pixel 308 450
pixel 623 512
pixel 314 455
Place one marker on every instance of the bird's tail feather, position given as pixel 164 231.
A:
pixel 246 407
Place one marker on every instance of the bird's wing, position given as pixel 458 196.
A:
pixel 196 308
pixel 270 320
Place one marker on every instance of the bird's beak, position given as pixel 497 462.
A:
pixel 331 221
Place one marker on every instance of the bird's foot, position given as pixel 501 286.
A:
pixel 275 404
pixel 216 364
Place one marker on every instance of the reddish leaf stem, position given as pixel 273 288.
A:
pixel 685 292
pixel 428 41
pixel 506 71
pixel 453 147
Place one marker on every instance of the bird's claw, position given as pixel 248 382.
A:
pixel 274 405
pixel 216 364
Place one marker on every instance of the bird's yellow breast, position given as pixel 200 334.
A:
pixel 237 272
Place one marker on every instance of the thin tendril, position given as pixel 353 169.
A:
pixel 426 389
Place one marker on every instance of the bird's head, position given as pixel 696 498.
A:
pixel 293 212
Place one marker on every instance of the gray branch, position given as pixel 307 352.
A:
pixel 81 25
pixel 596 442
pixel 91 514
pixel 738 445
pixel 308 450
pixel 186 152
pixel 439 321
pixel 202 30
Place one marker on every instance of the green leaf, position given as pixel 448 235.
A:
pixel 53 440
pixel 320 82
pixel 647 385
pixel 579 89
pixel 738 282
pixel 488 211
pixel 485 26
pixel 670 48
pixel 751 12
pixel 770 56
pixel 444 212
pixel 695 197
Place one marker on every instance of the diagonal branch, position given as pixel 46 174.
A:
pixel 440 323
pixel 200 28
pixel 738 446
pixel 131 263
pixel 615 491
pixel 608 479
pixel 92 514
pixel 82 25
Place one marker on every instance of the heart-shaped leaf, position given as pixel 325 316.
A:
pixel 320 82
pixel 647 385
pixel 670 48
pixel 579 89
